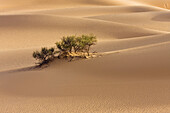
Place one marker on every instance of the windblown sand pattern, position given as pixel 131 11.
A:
pixel 132 75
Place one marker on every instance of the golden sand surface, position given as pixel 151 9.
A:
pixel 132 75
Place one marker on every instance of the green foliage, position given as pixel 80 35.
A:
pixel 77 43
pixel 88 41
pixel 66 44
pixel 44 56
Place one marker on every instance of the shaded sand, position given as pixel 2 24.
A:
pixel 131 76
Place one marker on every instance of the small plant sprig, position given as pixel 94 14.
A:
pixel 44 56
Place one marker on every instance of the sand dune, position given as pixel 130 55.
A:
pixel 29 28
pixel 131 76
pixel 159 3
pixel 41 4
pixel 152 20
pixel 97 10
pixel 16 59
pixel 116 45
pixel 96 86
pixel 10 5
pixel 60 2
pixel 20 58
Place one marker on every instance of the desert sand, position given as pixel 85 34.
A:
pixel 132 75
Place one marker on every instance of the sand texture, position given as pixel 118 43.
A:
pixel 131 76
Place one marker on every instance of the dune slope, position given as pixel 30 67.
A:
pixel 158 20
pixel 159 3
pixel 97 10
pixel 26 30
pixel 105 83
pixel 9 5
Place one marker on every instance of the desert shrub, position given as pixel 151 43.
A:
pixel 78 44
pixel 44 56
pixel 70 46
pixel 66 44
pixel 87 41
